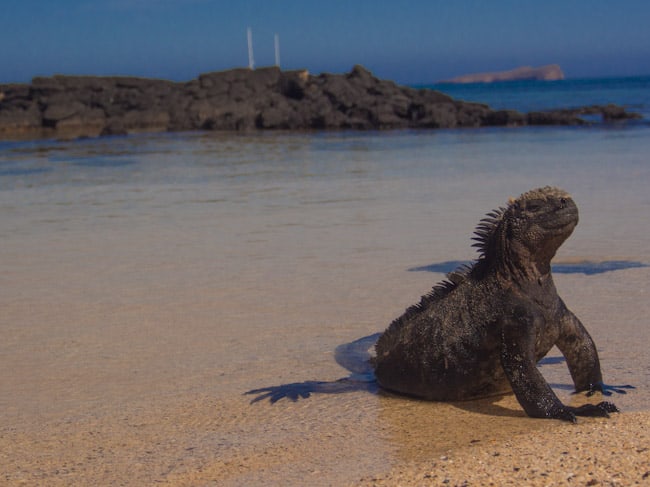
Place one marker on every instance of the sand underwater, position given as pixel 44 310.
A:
pixel 137 310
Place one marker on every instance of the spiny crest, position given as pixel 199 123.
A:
pixel 460 274
pixel 439 291
pixel 443 288
pixel 486 229
pixel 482 236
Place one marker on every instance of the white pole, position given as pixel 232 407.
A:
pixel 251 61
pixel 277 50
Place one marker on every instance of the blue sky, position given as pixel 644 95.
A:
pixel 414 41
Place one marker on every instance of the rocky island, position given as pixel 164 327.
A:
pixel 245 100
pixel 551 72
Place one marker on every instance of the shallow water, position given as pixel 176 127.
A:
pixel 149 282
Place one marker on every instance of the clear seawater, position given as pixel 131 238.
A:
pixel 445 179
pixel 447 176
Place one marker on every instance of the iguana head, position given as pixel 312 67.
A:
pixel 525 235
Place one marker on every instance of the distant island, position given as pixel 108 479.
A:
pixel 550 72
pixel 247 100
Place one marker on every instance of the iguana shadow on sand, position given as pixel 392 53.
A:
pixel 482 332
pixel 354 357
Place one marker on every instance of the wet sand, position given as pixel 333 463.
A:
pixel 117 381
pixel 134 320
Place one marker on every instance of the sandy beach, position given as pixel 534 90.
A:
pixel 328 442
pixel 135 317
pixel 89 398
pixel 612 452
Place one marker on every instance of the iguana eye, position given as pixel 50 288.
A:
pixel 533 206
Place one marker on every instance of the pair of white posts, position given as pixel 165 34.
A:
pixel 251 59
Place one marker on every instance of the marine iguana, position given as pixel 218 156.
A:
pixel 485 328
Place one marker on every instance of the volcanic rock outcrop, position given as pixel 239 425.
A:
pixel 242 100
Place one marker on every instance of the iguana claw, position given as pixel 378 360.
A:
pixel 607 390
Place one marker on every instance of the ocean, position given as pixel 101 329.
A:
pixel 150 281
pixel 630 92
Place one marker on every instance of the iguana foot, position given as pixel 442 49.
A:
pixel 600 410
pixel 607 390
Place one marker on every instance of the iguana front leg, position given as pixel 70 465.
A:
pixel 531 389
pixel 579 350
pixel 581 355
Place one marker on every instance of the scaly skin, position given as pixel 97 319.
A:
pixel 483 331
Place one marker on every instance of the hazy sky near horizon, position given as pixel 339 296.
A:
pixel 416 41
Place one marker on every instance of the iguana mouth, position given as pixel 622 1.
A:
pixel 559 225
pixel 562 218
